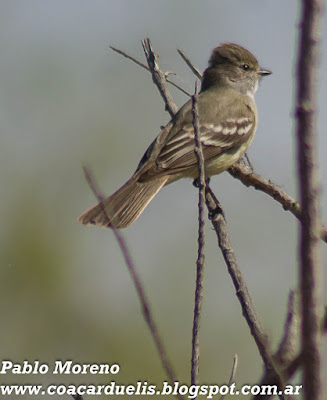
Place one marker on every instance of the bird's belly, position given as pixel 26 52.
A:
pixel 214 165
pixel 223 161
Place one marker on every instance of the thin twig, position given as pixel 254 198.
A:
pixel 147 314
pixel 288 345
pixel 158 77
pixel 286 351
pixel 287 372
pixel 124 54
pixel 245 174
pixel 324 322
pixel 136 61
pixel 201 256
pixel 232 375
pixel 307 155
pixel 293 367
pixel 289 367
pixel 193 68
pixel 247 158
pixel 178 87
pixel 219 224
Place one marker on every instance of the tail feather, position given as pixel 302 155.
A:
pixel 125 205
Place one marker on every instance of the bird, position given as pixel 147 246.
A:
pixel 228 119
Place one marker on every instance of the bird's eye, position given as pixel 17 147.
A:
pixel 245 67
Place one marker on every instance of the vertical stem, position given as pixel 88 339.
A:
pixel 200 259
pixel 309 269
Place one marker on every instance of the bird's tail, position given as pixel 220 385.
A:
pixel 125 205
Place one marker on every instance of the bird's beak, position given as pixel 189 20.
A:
pixel 264 72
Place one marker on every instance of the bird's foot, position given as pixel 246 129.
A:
pixel 196 182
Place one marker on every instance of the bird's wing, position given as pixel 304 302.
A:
pixel 226 124
pixel 216 138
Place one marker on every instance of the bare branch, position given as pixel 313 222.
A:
pixel 289 366
pixel 324 322
pixel 193 68
pixel 130 57
pixel 158 77
pixel 249 178
pixel 147 314
pixel 285 355
pixel 136 61
pixel 288 373
pixel 292 367
pixel 201 256
pixel 178 87
pixel 234 368
pixel 232 375
pixel 289 344
pixel 307 155
pixel 247 159
pixel 219 224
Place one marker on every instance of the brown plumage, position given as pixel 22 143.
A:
pixel 227 123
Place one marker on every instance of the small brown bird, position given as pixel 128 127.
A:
pixel 227 124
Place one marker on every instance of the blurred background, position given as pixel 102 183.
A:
pixel 67 99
